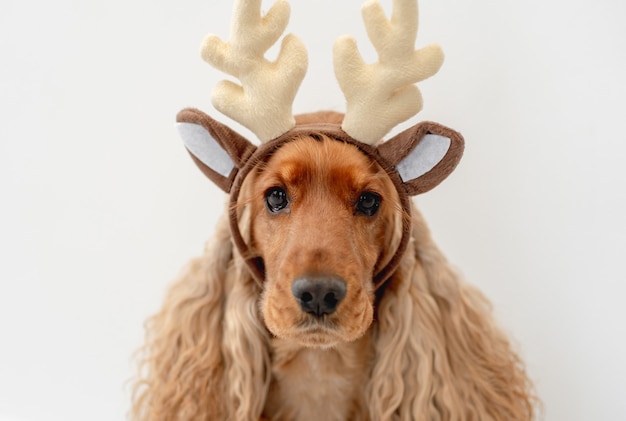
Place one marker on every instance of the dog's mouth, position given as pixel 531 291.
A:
pixel 317 332
pixel 317 324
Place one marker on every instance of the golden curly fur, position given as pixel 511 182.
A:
pixel 423 347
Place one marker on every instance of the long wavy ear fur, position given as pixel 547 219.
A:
pixel 439 355
pixel 206 355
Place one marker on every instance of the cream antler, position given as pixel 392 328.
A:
pixel 381 95
pixel 263 101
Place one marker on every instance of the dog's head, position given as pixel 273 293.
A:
pixel 329 210
pixel 323 221
pixel 329 216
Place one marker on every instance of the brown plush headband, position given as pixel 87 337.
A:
pixel 415 160
pixel 378 97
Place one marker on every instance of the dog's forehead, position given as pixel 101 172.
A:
pixel 309 159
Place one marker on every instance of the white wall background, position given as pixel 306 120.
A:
pixel 101 205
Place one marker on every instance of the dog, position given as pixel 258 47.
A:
pixel 316 340
pixel 321 295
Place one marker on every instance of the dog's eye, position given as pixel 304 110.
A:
pixel 276 199
pixel 368 203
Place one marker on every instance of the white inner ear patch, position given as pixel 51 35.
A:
pixel 428 153
pixel 204 147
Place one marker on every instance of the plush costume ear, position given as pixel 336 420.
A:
pixel 424 155
pixel 216 149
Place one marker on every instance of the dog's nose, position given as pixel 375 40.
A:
pixel 319 295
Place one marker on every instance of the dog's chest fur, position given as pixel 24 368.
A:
pixel 316 384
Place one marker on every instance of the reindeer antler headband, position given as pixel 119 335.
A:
pixel 379 96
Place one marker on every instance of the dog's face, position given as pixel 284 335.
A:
pixel 324 217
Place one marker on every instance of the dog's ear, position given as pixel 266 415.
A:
pixel 424 155
pixel 216 149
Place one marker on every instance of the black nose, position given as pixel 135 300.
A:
pixel 319 295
